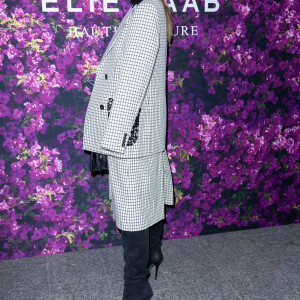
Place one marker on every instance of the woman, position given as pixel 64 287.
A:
pixel 126 119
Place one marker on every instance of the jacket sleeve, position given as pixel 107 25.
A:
pixel 140 51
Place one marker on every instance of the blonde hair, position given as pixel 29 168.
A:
pixel 169 18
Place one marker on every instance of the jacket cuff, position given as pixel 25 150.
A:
pixel 119 146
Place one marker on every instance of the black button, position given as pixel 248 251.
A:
pixel 111 99
pixel 101 106
pixel 105 76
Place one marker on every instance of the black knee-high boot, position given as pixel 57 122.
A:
pixel 136 254
pixel 155 235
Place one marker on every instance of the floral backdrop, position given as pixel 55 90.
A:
pixel 233 123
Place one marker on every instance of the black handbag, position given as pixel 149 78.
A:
pixel 98 163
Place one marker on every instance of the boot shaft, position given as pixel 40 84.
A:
pixel 155 235
pixel 136 255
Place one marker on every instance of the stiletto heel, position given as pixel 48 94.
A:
pixel 156 271
pixel 156 264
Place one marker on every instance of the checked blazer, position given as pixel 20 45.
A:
pixel 127 113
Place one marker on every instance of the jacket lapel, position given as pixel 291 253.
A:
pixel 117 33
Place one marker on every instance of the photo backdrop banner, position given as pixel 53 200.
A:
pixel 233 120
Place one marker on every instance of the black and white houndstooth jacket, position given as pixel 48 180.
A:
pixel 127 113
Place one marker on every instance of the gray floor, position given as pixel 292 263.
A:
pixel 249 264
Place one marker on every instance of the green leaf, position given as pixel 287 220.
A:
pixel 38 22
pixel 70 236
pixel 86 99
pixel 5 21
